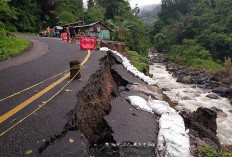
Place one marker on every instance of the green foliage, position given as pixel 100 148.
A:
pixel 2 30
pixel 66 17
pixel 228 67
pixel 94 14
pixel 201 31
pixel 74 7
pixel 162 42
pixel 193 55
pixel 33 16
pixel 138 61
pixel 90 4
pixel 207 151
pixel 139 37
pixel 12 46
pixel 114 7
pixel 127 25
pixel 7 12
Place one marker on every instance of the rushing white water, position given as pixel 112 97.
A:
pixel 190 98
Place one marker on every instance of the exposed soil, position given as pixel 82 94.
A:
pixel 94 103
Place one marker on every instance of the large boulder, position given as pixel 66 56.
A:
pixel 212 96
pixel 203 124
pixel 184 79
pixel 227 80
pixel 221 90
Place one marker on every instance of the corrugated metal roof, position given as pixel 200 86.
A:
pixel 88 25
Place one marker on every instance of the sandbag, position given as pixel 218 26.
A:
pixel 139 103
pixel 126 63
pixel 173 140
pixel 159 106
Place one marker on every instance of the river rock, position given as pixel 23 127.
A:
pixel 218 76
pixel 227 80
pixel 220 90
pixel 165 89
pixel 212 96
pixel 216 109
pixel 185 98
pixel 203 122
pixel 214 84
pixel 187 79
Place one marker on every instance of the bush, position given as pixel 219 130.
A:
pixel 162 42
pixel 12 46
pixel 2 30
pixel 138 61
pixel 207 151
pixel 228 67
pixel 194 55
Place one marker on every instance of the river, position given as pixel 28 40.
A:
pixel 190 97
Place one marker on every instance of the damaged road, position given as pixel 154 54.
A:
pixel 90 116
pixel 108 124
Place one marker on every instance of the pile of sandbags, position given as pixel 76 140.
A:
pixel 173 139
pixel 126 63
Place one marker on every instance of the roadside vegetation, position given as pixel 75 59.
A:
pixel 192 32
pixel 34 16
pixel 207 151
pixel 138 61
pixel 195 33
pixel 12 46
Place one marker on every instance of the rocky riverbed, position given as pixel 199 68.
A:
pixel 194 89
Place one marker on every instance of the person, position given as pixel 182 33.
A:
pixel 68 33
pixel 72 34
pixel 53 32
pixel 48 31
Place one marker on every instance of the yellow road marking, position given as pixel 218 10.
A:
pixel 30 100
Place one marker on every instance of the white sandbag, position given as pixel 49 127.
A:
pixel 173 140
pixel 139 103
pixel 172 121
pixel 126 63
pixel 104 49
pixel 159 107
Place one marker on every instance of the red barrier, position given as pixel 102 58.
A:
pixel 87 43
pixel 64 36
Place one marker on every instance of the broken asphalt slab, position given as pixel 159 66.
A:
pixel 119 122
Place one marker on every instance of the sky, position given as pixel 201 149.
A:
pixel 139 2
pixel 143 2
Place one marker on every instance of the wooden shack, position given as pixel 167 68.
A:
pixel 98 29
pixel 79 23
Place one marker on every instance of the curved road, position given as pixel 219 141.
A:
pixel 46 58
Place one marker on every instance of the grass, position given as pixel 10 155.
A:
pixel 138 61
pixel 207 151
pixel 228 67
pixel 12 46
pixel 197 63
pixel 208 65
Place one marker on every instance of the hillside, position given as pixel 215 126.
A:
pixel 196 33
pixel 148 13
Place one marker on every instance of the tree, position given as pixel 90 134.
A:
pixel 114 7
pixel 90 4
pixel 94 14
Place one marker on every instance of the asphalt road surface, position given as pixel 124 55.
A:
pixel 46 58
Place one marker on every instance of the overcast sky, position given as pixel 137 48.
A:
pixel 143 2
pixel 139 2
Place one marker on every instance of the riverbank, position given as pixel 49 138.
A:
pixel 178 84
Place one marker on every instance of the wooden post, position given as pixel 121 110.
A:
pixel 74 69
